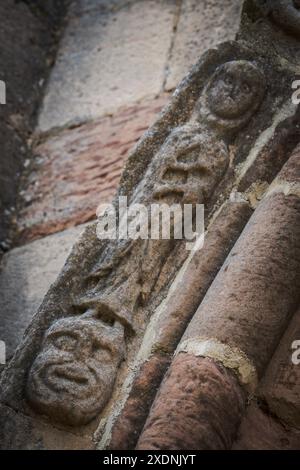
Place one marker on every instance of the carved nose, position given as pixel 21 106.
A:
pixel 90 313
pixel 234 92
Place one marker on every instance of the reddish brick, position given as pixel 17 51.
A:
pixel 79 168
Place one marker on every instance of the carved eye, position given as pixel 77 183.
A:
pixel 246 88
pixel 65 342
pixel 100 352
pixel 228 80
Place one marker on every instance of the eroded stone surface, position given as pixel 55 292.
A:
pixel 106 61
pixel 26 47
pixel 278 30
pixel 250 301
pixel 195 140
pixel 186 170
pixel 26 275
pixel 261 431
pixel 197 407
pixel 274 154
pixel 18 432
pixel 286 14
pixel 280 387
pixel 79 168
pixel 290 173
pixel 129 424
pixel 166 329
pixel 78 7
pixel 201 25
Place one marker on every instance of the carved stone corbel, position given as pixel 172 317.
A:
pixel 72 377
pixel 90 326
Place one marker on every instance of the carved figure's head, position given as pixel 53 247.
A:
pixel 72 377
pixel 232 96
pixel 285 13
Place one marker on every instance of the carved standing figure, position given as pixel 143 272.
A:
pixel 286 13
pixel 72 377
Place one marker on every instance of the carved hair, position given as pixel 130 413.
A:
pixel 228 114
pixel 285 13
pixel 72 377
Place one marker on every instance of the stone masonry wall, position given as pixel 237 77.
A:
pixel 139 343
pixel 28 36
pixel 117 64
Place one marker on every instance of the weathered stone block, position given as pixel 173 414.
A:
pixel 280 387
pixel 13 153
pixel 26 43
pixel 24 39
pixel 200 26
pixel 79 7
pixel 106 61
pixel 18 432
pixel 26 275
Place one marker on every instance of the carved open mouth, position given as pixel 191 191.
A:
pixel 72 376
pixel 67 378
pixel 174 175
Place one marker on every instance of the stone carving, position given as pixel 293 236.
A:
pixel 72 377
pixel 285 13
pixel 195 156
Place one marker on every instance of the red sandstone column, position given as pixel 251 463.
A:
pixel 170 326
pixel 236 329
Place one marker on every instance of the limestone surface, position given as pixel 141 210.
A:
pixel 200 26
pixel 26 275
pixel 108 60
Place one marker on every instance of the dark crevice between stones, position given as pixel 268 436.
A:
pixel 30 32
pixel 261 403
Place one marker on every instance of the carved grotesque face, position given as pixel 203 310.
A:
pixel 235 90
pixel 72 377
pixel 285 13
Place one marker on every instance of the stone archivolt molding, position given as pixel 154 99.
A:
pixel 95 315
pixel 231 358
pixel 286 13
pixel 70 380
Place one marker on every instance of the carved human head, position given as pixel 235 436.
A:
pixel 285 13
pixel 72 377
pixel 231 96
